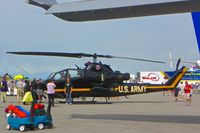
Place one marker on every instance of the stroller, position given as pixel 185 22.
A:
pixel 19 118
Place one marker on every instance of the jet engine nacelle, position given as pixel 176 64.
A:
pixel 121 76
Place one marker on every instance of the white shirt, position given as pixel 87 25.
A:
pixel 50 88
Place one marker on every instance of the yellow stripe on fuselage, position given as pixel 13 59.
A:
pixel 74 90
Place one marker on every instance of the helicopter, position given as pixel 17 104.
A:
pixel 99 80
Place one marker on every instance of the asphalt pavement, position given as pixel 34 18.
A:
pixel 144 113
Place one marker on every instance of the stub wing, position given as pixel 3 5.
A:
pixel 112 9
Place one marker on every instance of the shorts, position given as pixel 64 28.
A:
pixel 187 95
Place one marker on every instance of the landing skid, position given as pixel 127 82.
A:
pixel 106 98
pixel 90 102
pixel 87 102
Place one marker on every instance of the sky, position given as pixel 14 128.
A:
pixel 25 27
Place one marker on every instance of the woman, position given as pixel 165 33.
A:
pixel 27 99
pixel 51 92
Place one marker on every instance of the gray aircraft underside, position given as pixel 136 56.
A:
pixel 90 10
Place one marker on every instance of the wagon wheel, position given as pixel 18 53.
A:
pixel 22 128
pixel 31 127
pixel 8 127
pixel 50 125
pixel 40 126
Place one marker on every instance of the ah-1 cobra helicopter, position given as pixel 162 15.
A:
pixel 99 80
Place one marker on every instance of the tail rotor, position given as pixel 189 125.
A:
pixel 171 61
pixel 178 63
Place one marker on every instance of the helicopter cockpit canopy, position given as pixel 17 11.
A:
pixel 63 74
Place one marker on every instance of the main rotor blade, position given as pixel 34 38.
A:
pixel 74 55
pixel 80 55
pixel 138 59
pixel 129 58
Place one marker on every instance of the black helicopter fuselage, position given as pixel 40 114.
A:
pixel 94 78
pixel 88 83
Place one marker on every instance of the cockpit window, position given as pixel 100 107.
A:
pixel 51 75
pixel 73 73
pixel 64 73
pixel 57 76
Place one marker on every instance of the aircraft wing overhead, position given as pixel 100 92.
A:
pixel 196 22
pixel 111 9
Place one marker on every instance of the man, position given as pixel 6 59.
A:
pixel 187 90
pixel 4 89
pixel 34 87
pixel 176 93
pixel 68 91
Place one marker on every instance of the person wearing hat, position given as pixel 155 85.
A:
pixel 4 89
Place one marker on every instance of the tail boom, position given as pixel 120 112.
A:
pixel 173 81
pixel 135 88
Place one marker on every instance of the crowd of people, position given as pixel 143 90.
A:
pixel 29 91
pixel 185 90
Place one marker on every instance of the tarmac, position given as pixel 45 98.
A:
pixel 144 113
